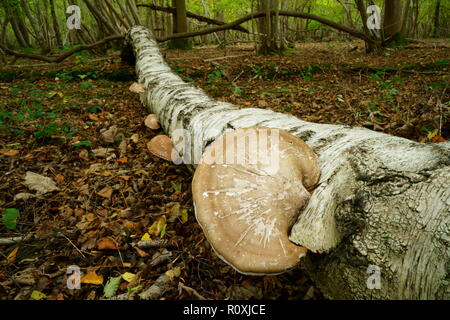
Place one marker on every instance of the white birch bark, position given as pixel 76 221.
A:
pixel 382 202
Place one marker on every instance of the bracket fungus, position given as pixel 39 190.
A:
pixel 151 121
pixel 162 147
pixel 248 190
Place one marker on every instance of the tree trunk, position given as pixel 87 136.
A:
pixel 382 202
pixel 180 25
pixel 393 14
pixel 55 24
pixel 436 18
pixel 268 28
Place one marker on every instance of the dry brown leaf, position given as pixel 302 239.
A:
pixel 59 178
pixel 12 256
pixel 102 152
pixel 110 134
pixel 141 253
pixel 106 192
pixel 39 183
pixel 107 243
pixel 9 152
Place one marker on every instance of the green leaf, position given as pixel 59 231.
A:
pixel 85 85
pixel 10 218
pixel 94 109
pixel 84 143
pixel 134 289
pixel 111 286
pixel 176 186
pixel 434 85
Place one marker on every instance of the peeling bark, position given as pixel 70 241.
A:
pixel 381 200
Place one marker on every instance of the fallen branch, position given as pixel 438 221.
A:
pixel 28 237
pixel 261 14
pixel 160 243
pixel 190 290
pixel 190 15
pixel 228 57
pixel 64 55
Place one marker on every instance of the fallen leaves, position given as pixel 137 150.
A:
pixel 106 192
pixel 158 228
pixel 92 278
pixel 110 134
pixel 9 152
pixel 39 183
pixel 111 286
pixel 107 243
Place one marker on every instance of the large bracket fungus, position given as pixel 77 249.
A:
pixel 248 190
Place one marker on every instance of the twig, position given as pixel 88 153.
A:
pixel 228 57
pixel 62 63
pixel 14 240
pixel 70 241
pixel 160 243
pixel 159 258
pixel 191 291
pixel 157 289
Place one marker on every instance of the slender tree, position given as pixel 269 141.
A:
pixel 436 18
pixel 392 25
pixel 180 25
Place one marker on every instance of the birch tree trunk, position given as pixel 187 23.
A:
pixel 379 212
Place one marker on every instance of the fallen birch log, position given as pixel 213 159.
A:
pixel 377 223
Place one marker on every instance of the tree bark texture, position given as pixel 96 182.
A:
pixel 381 200
pixel 393 14
pixel 180 24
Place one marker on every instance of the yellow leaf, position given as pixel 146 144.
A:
pixel 432 134
pixel 184 215
pixel 128 276
pixel 146 237
pixel 12 256
pixel 9 152
pixel 37 295
pixel 106 173
pixel 158 227
pixel 92 278
pixel 173 273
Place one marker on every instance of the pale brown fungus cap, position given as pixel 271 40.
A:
pixel 247 208
pixel 162 147
pixel 151 121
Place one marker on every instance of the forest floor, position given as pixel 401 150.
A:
pixel 106 195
